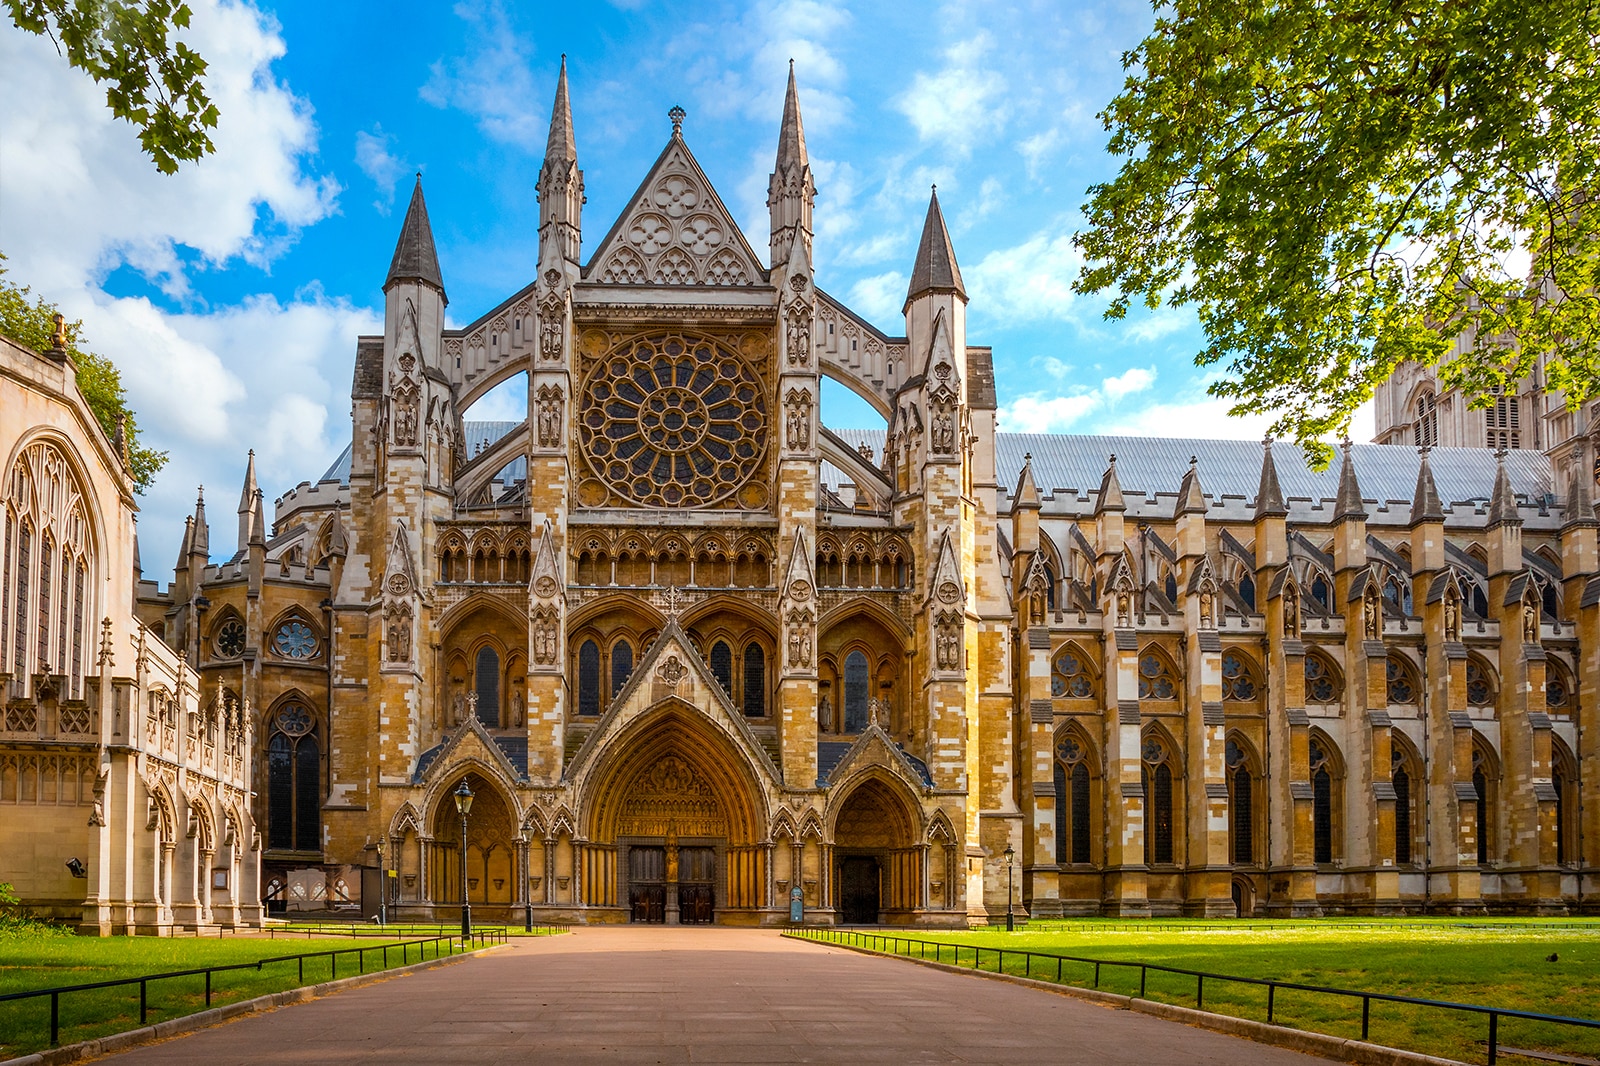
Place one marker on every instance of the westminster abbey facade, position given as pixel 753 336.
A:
pixel 698 656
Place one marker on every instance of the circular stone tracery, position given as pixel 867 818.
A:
pixel 673 421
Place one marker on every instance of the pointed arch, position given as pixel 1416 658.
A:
pixel 1486 787
pixel 1161 769
pixel 1404 686
pixel 1073 673
pixel 1407 780
pixel 1241 677
pixel 1483 682
pixel 1324 680
pixel 1245 799
pixel 1159 677
pixel 1564 780
pixel 1327 798
pixel 1078 790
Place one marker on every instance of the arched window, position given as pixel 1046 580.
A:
pixel 1050 587
pixel 1564 778
pixel 722 665
pixel 1322 680
pixel 487 684
pixel 856 676
pixel 1171 587
pixel 1404 823
pixel 1322 802
pixel 1397 594
pixel 1238 679
pixel 1247 591
pixel 755 680
pixel 1241 805
pixel 1155 678
pixel 589 678
pixel 621 665
pixel 1480 685
pixel 1158 797
pixel 1402 680
pixel 1557 689
pixel 1427 424
pixel 1073 811
pixel 1322 592
pixel 1069 675
pixel 1483 785
pixel 294 794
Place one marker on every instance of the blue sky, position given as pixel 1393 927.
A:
pixel 231 294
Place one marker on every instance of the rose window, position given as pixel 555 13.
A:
pixel 230 639
pixel 294 640
pixel 674 422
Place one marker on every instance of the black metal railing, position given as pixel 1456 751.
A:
pixel 891 944
pixel 442 945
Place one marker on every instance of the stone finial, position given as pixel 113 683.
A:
pixel 1110 498
pixel 677 115
pixel 1191 497
pixel 58 337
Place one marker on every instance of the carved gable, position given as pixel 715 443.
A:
pixel 676 231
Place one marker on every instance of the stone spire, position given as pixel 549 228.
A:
pixel 1425 504
pixel 561 147
pixel 1349 505
pixel 1503 504
pixel 1191 497
pixel 790 190
pixel 185 548
pixel 560 188
pixel 247 500
pixel 200 542
pixel 1269 496
pixel 414 255
pixel 258 520
pixel 935 269
pixel 1110 498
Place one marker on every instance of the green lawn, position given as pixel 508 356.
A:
pixel 1498 963
pixel 28 963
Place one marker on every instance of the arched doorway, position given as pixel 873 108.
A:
pixel 877 863
pixel 674 819
pixel 490 855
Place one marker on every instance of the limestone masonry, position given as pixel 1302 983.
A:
pixel 700 658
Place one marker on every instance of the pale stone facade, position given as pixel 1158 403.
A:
pixel 125 789
pixel 693 651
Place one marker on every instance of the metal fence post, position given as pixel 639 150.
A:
pixel 1141 980
pixel 1200 992
pixel 1366 1015
pixel 1271 990
pixel 55 1018
pixel 144 999
pixel 1494 1037
pixel 208 988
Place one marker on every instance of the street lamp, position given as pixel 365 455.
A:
pixel 383 888
pixel 464 805
pixel 1011 922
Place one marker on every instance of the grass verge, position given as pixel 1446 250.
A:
pixel 1494 963
pixel 28 963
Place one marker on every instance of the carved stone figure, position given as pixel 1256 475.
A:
pixel 1373 616
pixel 1452 618
pixel 800 638
pixel 947 641
pixel 797 419
pixel 1291 612
pixel 552 328
pixel 1124 608
pixel 1530 622
pixel 1207 608
pixel 400 636
pixel 944 429
pixel 798 333
pixel 549 401
pixel 405 416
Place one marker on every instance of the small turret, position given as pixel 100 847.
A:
pixel 790 190
pixel 935 270
pixel 414 256
pixel 560 189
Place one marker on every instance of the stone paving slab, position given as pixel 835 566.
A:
pixel 654 995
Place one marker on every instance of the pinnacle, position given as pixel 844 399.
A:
pixel 936 269
pixel 1110 498
pixel 792 135
pixel 1349 505
pixel 561 144
pixel 1269 496
pixel 414 255
pixel 1503 504
pixel 1425 504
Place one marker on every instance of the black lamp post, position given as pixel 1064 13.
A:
pixel 464 805
pixel 383 888
pixel 1011 921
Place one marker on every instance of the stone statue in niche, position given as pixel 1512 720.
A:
pixel 800 638
pixel 458 708
pixel 405 416
pixel 1374 615
pixel 798 333
pixel 516 708
pixel 544 636
pixel 797 419
pixel 1208 607
pixel 1124 608
pixel 549 415
pixel 1452 618
pixel 1530 622
pixel 944 428
pixel 400 636
pixel 825 714
pixel 947 642
pixel 552 328
pixel 1291 612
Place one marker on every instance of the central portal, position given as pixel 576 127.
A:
pixel 684 876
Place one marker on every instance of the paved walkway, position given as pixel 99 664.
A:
pixel 653 995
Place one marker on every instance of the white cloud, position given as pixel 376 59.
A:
pixel 380 164
pixel 80 198
pixel 1030 281
pixel 961 103
pixel 1207 419
pixel 1039 412
pixel 880 297
pixel 494 83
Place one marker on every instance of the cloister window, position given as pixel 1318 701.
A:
pixel 1238 679
pixel 1427 424
pixel 1322 680
pixel 1241 804
pixel 1483 787
pixel 755 680
pixel 857 676
pixel 1155 678
pixel 1073 802
pixel 589 678
pixel 1564 778
pixel 1402 680
pixel 621 665
pixel 1158 798
pixel 1557 690
pixel 1070 677
pixel 294 795
pixel 1322 782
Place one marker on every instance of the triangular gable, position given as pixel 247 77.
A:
pixel 797 579
pixel 469 741
pixel 399 572
pixel 874 747
pixel 675 231
pixel 946 585
pixel 546 579
pixel 671 668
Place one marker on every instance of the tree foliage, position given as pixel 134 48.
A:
pixel 152 79
pixel 1338 186
pixel 32 324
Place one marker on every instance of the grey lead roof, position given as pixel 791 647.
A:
pixel 479 436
